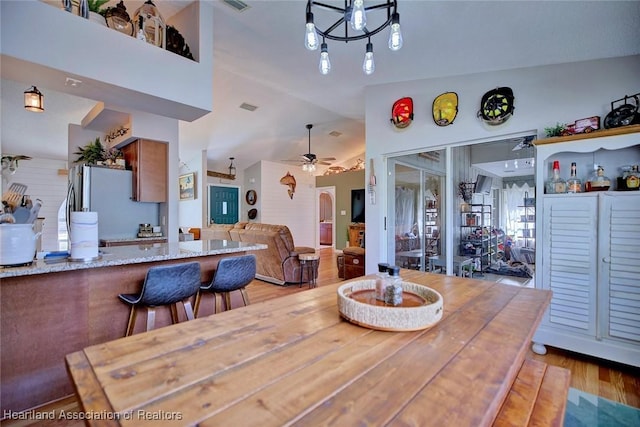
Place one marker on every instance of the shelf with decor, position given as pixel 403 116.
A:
pixel 591 241
pixel 432 228
pixel 477 239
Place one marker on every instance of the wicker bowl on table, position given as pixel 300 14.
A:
pixel 422 307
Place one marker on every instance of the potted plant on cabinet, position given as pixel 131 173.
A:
pixel 92 153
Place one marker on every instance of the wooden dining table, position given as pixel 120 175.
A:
pixel 294 361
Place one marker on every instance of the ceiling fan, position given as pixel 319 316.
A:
pixel 525 142
pixel 310 160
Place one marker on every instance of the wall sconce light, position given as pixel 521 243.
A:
pixel 33 100
pixel 231 175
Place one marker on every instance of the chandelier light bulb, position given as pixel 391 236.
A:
pixel 368 66
pixel 325 63
pixel 395 36
pixel 515 163
pixel 506 164
pixel 311 41
pixel 358 16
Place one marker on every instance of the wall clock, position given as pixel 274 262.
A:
pixel 251 197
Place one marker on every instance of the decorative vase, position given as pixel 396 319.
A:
pixel 97 18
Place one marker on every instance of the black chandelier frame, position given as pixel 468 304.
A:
pixel 389 5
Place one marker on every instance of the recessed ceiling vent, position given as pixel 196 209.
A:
pixel 248 107
pixel 238 5
pixel 335 133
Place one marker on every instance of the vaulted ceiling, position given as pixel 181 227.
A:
pixel 259 59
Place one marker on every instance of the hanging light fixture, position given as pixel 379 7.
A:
pixel 231 175
pixel 354 17
pixel 33 100
pixel 232 169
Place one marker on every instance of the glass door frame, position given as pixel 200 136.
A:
pixel 446 194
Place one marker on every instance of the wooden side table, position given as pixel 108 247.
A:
pixel 310 262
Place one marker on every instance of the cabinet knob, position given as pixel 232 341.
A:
pixel 606 259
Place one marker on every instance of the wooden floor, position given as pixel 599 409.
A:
pixel 612 381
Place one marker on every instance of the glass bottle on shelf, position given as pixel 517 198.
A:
pixel 556 185
pixel 598 181
pixel 574 184
pixel 632 178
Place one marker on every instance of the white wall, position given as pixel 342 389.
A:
pixel 543 96
pixel 45 183
pixel 299 213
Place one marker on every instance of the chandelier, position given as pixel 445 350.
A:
pixel 354 17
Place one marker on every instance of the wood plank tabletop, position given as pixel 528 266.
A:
pixel 295 361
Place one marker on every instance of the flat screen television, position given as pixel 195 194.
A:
pixel 357 205
pixel 483 184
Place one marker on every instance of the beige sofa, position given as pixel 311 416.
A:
pixel 279 263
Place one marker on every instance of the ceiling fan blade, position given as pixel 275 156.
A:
pixel 293 160
pixel 324 159
pixel 324 163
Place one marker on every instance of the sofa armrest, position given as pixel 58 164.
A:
pixel 301 250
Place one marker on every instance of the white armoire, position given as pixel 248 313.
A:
pixel 588 249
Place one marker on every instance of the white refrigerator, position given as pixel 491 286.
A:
pixel 109 192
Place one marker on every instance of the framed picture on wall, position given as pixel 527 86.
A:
pixel 187 184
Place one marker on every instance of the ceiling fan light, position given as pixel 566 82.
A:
pixel 33 100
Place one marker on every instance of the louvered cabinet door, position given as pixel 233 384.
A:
pixel 569 262
pixel 619 218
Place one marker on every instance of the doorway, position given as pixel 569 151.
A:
pixel 418 219
pixel 224 204
pixel 325 207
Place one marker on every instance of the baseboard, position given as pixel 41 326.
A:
pixel 270 280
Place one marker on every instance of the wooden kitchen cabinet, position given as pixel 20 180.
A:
pixel 148 161
pixel 326 233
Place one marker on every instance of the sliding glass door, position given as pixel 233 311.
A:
pixel 415 220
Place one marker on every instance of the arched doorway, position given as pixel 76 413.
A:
pixel 326 208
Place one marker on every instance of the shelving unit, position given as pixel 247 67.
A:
pixel 591 242
pixel 431 229
pixel 527 230
pixel 477 239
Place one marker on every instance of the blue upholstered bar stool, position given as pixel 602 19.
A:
pixel 233 274
pixel 164 285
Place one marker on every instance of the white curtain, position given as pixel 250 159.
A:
pixel 513 202
pixel 405 210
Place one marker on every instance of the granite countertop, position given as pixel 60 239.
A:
pixel 135 254
pixel 133 239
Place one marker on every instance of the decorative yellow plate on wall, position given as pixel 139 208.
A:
pixel 445 108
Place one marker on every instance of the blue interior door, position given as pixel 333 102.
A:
pixel 223 205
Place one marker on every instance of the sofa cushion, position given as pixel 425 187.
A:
pixel 217 232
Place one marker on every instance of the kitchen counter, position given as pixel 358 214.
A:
pixel 134 254
pixel 132 241
pixel 52 309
